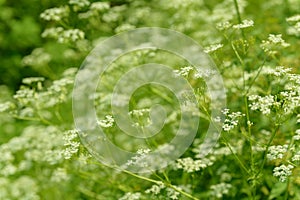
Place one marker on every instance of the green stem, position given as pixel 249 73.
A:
pixel 286 195
pixel 235 156
pixel 236 6
pixel 158 182
pixel 27 118
pixel 256 76
pixel 267 149
pixel 141 177
pixel 249 130
pixel 182 192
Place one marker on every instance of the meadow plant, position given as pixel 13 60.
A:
pixel 255 48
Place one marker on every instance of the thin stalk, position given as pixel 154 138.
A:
pixel 141 177
pixel 182 192
pixel 158 182
pixel 267 149
pixel 252 167
pixel 236 6
pixel 242 63
pixel 286 195
pixel 228 145
pixel 235 156
pixel 256 76
pixel 249 130
pixel 27 118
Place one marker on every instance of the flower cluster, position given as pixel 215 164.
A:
pixel 6 106
pixel 223 25
pixel 205 73
pixel 283 172
pixel 131 196
pixel 64 36
pixel 232 119
pixel 273 44
pixel 141 159
pixel 294 21
pixel 124 27
pixel 155 189
pixel 78 4
pixel 71 143
pixel 263 104
pixel 38 57
pixel 71 35
pixel 277 71
pixel 53 32
pixel 18 189
pixel 184 71
pixel 189 165
pixel 100 6
pixel 245 24
pixel 140 117
pixel 212 48
pixel 107 122
pixel 297 135
pixel 277 152
pixel 219 190
pixel 55 14
pixel 40 149
pixel 158 188
pixel 59 175
pixel 33 146
pixel 296 157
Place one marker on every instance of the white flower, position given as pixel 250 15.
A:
pixel 231 120
pixel 277 39
pixel 212 48
pixel 31 80
pixel 131 196
pixel 184 71
pixel 219 190
pixel 189 165
pixel 223 25
pixel 107 122
pixel 139 112
pixel 271 45
pixel 71 144
pixel 205 73
pixel 124 27
pixel 38 57
pixel 6 106
pixel 278 71
pixel 55 14
pixel 53 32
pixel 79 3
pixel 263 104
pixel 295 25
pixel 100 6
pixel 294 18
pixel 298 118
pixel 245 24
pixel 297 135
pixel 71 35
pixel 283 172
pixel 172 194
pixel 277 152
pixel 155 189
pixel 296 157
pixel 59 175
pixel 141 159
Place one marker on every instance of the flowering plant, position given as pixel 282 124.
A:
pixel 255 50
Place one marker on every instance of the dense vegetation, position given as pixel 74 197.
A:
pixel 255 47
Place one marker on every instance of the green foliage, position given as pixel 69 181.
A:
pixel 255 46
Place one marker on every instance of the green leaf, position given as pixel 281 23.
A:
pixel 277 190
